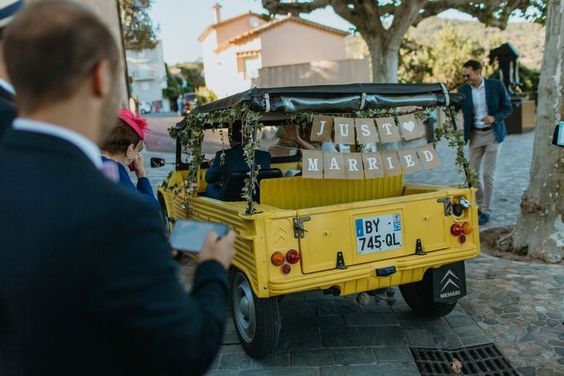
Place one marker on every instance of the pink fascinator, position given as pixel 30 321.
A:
pixel 137 123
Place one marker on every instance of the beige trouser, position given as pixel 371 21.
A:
pixel 484 147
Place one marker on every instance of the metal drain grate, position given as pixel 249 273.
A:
pixel 482 360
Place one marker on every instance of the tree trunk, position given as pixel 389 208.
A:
pixel 383 59
pixel 539 231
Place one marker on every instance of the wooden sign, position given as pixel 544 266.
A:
pixel 388 130
pixel 410 127
pixel 391 163
pixel 409 161
pixel 312 164
pixel 344 131
pixel 353 166
pixel 372 165
pixel 366 132
pixel 321 128
pixel 428 157
pixel 333 166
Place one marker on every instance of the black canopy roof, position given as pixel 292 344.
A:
pixel 336 98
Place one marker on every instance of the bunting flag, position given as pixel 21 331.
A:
pixel 321 128
pixel 332 165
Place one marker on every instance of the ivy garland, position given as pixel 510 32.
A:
pixel 455 138
pixel 190 133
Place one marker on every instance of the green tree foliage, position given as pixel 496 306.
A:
pixel 450 51
pixel 192 73
pixel 204 95
pixel 174 86
pixel 138 29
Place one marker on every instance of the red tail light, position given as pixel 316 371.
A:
pixel 286 269
pixel 456 229
pixel 462 238
pixel 293 256
pixel 277 258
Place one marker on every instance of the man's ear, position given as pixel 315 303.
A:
pixel 102 79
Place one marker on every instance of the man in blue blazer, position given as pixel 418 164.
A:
pixel 87 283
pixel 234 161
pixel 485 107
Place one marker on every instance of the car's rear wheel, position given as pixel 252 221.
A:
pixel 166 222
pixel 257 320
pixel 419 297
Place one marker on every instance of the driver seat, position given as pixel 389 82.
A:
pixel 236 181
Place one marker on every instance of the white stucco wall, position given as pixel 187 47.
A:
pixel 294 43
pixel 220 70
pixel 237 27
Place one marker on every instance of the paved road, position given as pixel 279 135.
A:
pixel 518 306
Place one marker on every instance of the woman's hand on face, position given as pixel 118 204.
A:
pixel 139 166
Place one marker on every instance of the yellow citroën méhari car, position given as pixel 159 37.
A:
pixel 341 236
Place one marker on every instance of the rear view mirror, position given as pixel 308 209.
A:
pixel 157 162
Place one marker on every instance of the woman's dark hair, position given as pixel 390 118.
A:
pixel 121 137
pixel 475 65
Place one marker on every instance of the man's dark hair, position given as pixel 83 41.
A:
pixel 475 65
pixel 121 137
pixel 235 133
pixel 51 47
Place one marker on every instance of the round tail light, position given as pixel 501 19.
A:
pixel 286 269
pixel 467 228
pixel 462 238
pixel 293 256
pixel 456 229
pixel 277 258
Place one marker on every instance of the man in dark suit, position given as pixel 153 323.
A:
pixel 87 285
pixel 234 161
pixel 485 107
pixel 7 94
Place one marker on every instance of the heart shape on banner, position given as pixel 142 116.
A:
pixel 409 126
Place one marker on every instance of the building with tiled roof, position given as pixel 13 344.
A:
pixel 234 50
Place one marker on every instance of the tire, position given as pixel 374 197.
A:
pixel 419 297
pixel 257 320
pixel 166 223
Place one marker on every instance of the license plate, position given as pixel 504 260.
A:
pixel 378 234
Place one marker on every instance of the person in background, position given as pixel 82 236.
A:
pixel 8 8
pixel 179 104
pixel 292 133
pixel 234 161
pixel 124 147
pixel 485 107
pixel 87 284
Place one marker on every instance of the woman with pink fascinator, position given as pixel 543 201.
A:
pixel 124 147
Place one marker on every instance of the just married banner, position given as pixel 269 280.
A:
pixel 324 165
pixel 350 131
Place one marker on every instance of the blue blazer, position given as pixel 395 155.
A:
pixel 87 283
pixel 7 110
pixel 143 184
pixel 234 162
pixel 499 106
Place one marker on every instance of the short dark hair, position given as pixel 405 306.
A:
pixel 51 47
pixel 121 137
pixel 474 64
pixel 235 132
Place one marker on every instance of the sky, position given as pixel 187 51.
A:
pixel 182 21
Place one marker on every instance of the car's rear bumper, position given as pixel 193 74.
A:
pixel 359 278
